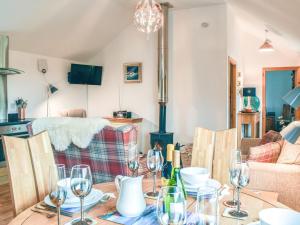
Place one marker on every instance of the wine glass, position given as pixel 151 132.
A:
pixel 239 176
pixel 133 159
pixel 207 206
pixel 154 164
pixel 171 206
pixel 235 155
pixel 81 186
pixel 57 187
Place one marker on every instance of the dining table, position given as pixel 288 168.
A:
pixel 252 202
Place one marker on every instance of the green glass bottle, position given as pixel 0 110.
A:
pixel 176 179
pixel 167 169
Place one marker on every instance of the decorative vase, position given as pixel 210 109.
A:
pixel 21 113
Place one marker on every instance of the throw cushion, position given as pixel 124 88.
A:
pixel 268 153
pixel 290 154
pixel 270 136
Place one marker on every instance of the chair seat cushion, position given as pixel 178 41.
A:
pixel 268 153
pixel 290 154
pixel 270 136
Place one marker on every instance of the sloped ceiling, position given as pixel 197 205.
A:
pixel 71 29
pixel 281 17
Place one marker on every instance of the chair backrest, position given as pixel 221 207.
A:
pixel 42 157
pixel 21 174
pixel 203 148
pixel 225 143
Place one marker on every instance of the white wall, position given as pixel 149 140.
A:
pixel 129 46
pixel 255 61
pixel 197 73
pixel 244 39
pixel 32 86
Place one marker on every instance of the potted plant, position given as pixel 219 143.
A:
pixel 21 105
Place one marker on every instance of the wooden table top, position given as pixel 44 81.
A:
pixel 253 202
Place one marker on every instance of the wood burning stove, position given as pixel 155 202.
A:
pixel 161 136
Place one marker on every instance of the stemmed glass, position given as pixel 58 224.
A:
pixel 154 164
pixel 133 159
pixel 171 206
pixel 81 186
pixel 235 155
pixel 239 176
pixel 207 206
pixel 57 187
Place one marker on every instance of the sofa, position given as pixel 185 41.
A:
pixel 106 153
pixel 281 178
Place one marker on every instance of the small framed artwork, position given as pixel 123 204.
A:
pixel 132 72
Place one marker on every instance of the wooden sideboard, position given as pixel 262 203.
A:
pixel 246 119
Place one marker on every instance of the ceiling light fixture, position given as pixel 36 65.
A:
pixel 148 16
pixel 266 46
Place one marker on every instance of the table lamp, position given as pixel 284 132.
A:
pixel 250 100
pixel 293 99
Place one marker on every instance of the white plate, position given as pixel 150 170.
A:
pixel 276 216
pixel 210 182
pixel 91 199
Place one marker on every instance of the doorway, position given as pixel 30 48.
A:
pixel 232 92
pixel 277 82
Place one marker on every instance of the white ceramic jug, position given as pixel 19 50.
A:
pixel 131 201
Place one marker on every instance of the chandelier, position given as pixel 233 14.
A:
pixel 148 16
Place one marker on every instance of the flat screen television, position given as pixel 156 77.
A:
pixel 85 74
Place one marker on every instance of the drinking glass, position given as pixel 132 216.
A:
pixel 235 155
pixel 171 206
pixel 81 186
pixel 239 176
pixel 133 159
pixel 57 187
pixel 154 164
pixel 207 206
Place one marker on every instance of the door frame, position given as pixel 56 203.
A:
pixel 232 80
pixel 263 107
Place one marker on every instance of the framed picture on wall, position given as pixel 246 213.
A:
pixel 132 72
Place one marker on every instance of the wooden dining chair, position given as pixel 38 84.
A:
pixel 203 148
pixel 21 174
pixel 225 143
pixel 42 158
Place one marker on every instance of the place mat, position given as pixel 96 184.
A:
pixel 69 211
pixel 93 222
pixel 226 214
pixel 147 218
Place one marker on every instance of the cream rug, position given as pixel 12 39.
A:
pixel 66 130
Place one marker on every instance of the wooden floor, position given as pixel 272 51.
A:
pixel 6 213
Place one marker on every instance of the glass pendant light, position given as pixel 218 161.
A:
pixel 148 16
pixel 266 46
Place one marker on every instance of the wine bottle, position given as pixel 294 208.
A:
pixel 167 169
pixel 176 179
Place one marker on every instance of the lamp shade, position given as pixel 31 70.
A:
pixel 292 132
pixel 249 91
pixel 293 97
pixel 52 89
pixel 266 46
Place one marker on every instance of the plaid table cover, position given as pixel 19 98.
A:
pixel 106 154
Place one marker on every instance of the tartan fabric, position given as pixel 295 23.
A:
pixel 106 154
pixel 268 153
pixel 270 136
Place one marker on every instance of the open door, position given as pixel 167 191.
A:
pixel 232 92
